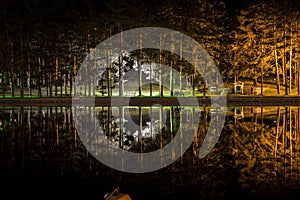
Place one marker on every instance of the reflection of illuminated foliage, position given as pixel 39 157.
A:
pixel 45 140
pixel 148 138
pixel 252 149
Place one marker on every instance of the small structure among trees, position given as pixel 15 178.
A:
pixel 238 87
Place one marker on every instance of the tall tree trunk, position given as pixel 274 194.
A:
pixel 283 69
pixel 94 76
pixel 22 67
pixel 262 78
pixel 180 65
pixel 284 62
pixel 64 78
pixel 276 61
pixel 206 40
pixel 171 65
pixel 28 74
pixel 121 67
pixel 297 60
pixel 61 77
pixel 50 84
pixel 291 57
pixel 151 85
pixel 172 54
pixel 235 79
pixel 74 69
pixel 12 79
pixel 87 45
pixel 56 73
pixel 2 78
pixel 71 84
pixel 109 65
pixel 193 76
pixel 171 78
pixel 108 77
pixel 161 88
pixel 39 89
pixel 262 62
pixel 140 66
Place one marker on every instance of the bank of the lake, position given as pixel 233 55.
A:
pixel 148 101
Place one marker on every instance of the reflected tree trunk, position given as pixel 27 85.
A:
pixel 298 136
pixel 161 133
pixel 12 146
pixel 121 134
pixel 262 118
pixel 29 132
pixel 255 121
pixel 284 140
pixel 21 137
pixel 277 130
pixel 140 133
pixel 205 118
pixel 290 137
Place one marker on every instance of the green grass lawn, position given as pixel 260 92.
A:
pixel 269 89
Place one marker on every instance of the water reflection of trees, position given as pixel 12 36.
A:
pixel 36 138
pixel 144 129
pixel 264 147
pixel 46 136
pixel 259 152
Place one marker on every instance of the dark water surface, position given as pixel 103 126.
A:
pixel 256 157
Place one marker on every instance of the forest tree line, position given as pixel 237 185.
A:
pixel 43 43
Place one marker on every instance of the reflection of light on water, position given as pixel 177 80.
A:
pixel 264 158
pixel 149 131
pixel 143 127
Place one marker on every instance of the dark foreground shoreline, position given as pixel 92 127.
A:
pixel 149 101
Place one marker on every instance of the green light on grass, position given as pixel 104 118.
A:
pixel 17 97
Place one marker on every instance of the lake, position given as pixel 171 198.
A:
pixel 45 152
